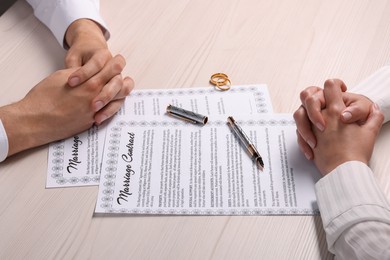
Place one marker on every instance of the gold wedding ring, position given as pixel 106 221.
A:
pixel 221 81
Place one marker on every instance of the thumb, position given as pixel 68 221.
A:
pixel 375 119
pixel 73 61
pixel 355 113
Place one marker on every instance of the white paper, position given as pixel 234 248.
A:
pixel 171 167
pixel 76 160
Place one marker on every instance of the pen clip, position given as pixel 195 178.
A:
pixel 172 113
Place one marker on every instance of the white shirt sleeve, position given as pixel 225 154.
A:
pixel 355 213
pixel 3 143
pixel 58 15
pixel 377 88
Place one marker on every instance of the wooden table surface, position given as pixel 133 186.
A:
pixel 287 44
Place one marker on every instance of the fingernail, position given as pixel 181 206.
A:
pixel 98 105
pixel 74 81
pixel 307 156
pixel 102 119
pixel 320 127
pixel 311 144
pixel 346 116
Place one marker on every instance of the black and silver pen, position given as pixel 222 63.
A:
pixel 246 142
pixel 186 115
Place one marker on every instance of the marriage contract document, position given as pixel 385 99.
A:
pixel 76 161
pixel 158 166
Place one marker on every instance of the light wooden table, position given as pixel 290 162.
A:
pixel 288 45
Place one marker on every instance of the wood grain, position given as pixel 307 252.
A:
pixel 287 44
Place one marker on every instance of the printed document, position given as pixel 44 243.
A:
pixel 76 161
pixel 156 166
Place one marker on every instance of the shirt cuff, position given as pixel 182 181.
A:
pixel 3 143
pixel 349 195
pixel 58 15
pixel 377 88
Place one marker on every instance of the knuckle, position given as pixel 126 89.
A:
pixel 70 60
pixel 117 68
pixel 381 116
pixel 106 54
pixel 119 63
pixel 117 84
pixel 99 63
pixel 121 59
pixel 105 97
pixel 94 83
pixel 329 82
pixel 82 73
pixel 127 90
pixel 306 94
pixel 297 115
pixel 311 101
pixel 303 95
pixel 128 85
pixel 334 108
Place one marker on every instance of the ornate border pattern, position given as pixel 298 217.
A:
pixel 110 175
pixel 58 168
pixel 217 212
pixel 58 147
pixel 258 95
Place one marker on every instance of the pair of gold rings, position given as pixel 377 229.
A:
pixel 220 81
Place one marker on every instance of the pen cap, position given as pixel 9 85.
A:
pixel 187 115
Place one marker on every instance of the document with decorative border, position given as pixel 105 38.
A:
pixel 76 160
pixel 171 167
